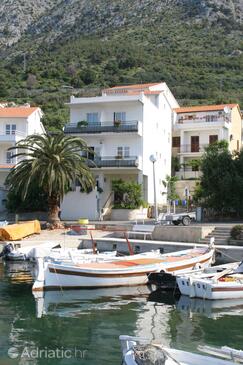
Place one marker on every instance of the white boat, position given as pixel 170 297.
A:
pixel 10 253
pixel 186 280
pixel 126 271
pixel 137 351
pixel 227 284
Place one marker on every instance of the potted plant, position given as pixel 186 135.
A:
pixel 117 123
pixel 82 123
pixel 236 232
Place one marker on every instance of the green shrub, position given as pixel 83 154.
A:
pixel 235 232
pixel 127 194
pixel 82 123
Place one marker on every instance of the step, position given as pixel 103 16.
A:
pixel 218 235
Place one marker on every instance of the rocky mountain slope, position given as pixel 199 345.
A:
pixel 52 48
pixel 50 19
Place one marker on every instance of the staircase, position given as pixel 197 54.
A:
pixel 106 210
pixel 221 235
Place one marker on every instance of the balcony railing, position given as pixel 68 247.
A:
pixel 12 136
pixel 101 127
pixel 114 161
pixel 202 120
pixel 190 148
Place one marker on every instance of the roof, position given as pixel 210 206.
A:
pixel 132 89
pixel 136 86
pixel 17 112
pixel 204 108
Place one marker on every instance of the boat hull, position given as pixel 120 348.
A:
pixel 134 270
pixel 71 279
pixel 220 290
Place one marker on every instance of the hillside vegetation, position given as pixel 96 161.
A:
pixel 77 47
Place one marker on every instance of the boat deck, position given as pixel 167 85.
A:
pixel 140 261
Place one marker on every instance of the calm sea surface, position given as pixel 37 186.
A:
pixel 82 327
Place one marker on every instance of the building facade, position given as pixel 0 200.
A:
pixel 16 123
pixel 124 127
pixel 197 127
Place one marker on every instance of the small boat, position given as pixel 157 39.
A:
pixel 227 284
pixel 111 272
pixel 137 351
pixel 10 253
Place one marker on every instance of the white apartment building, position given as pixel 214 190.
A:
pixel 124 126
pixel 16 123
pixel 198 126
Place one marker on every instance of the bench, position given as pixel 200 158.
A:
pixel 142 229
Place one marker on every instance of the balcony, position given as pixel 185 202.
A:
pixel 103 127
pixel 189 148
pixel 202 123
pixel 114 161
pixel 13 137
pixel 187 173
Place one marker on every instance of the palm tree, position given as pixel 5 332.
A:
pixel 54 161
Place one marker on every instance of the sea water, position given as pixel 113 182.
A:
pixel 83 326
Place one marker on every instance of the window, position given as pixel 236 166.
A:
pixel 119 152
pixel 176 141
pixel 92 118
pixel 121 116
pixel 213 138
pixel 123 152
pixel 90 155
pixel 9 157
pixel 11 129
pixel 126 152
pixel 211 118
pixel 194 143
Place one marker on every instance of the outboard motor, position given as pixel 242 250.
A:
pixel 7 249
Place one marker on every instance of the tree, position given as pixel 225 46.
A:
pixel 195 165
pixel 175 165
pixel 31 81
pixel 55 162
pixel 36 200
pixel 169 184
pixel 127 194
pixel 219 178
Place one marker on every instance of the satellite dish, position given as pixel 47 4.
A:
pixel 227 110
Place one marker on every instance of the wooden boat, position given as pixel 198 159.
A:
pixel 137 351
pixel 131 270
pixel 227 284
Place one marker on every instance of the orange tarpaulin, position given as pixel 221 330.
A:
pixel 14 232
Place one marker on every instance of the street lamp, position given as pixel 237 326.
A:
pixel 153 160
